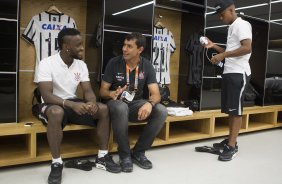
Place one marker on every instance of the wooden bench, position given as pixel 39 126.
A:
pixel 21 144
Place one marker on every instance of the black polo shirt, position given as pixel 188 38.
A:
pixel 115 74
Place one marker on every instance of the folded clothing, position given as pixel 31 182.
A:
pixel 84 165
pixel 179 111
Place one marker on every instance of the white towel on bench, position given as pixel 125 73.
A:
pixel 179 111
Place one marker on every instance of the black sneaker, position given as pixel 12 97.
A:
pixel 55 176
pixel 141 160
pixel 126 165
pixel 84 165
pixel 107 164
pixel 228 153
pixel 220 146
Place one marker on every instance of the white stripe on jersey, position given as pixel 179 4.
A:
pixel 42 31
pixel 163 46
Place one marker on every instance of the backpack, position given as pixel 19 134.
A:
pixel 36 100
pixel 164 91
pixel 250 93
pixel 37 96
pixel 192 104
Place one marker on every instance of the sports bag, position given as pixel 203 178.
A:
pixel 164 91
pixel 36 100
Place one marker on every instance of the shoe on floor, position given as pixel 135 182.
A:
pixel 220 146
pixel 84 165
pixel 107 163
pixel 141 160
pixel 55 176
pixel 126 165
pixel 207 149
pixel 228 153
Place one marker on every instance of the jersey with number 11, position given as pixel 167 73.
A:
pixel 42 31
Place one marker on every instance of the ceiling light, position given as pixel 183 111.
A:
pixel 247 7
pixel 213 27
pixel 279 1
pixel 5 19
pixel 133 8
pixel 276 20
pixel 252 6
pixel 210 13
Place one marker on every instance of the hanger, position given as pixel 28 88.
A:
pixel 53 9
pixel 158 22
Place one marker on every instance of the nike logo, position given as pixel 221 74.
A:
pixel 232 109
pixel 120 73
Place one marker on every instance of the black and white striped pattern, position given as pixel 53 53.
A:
pixel 163 46
pixel 42 31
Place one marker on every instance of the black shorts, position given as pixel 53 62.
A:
pixel 70 116
pixel 232 94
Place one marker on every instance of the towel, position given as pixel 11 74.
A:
pixel 179 111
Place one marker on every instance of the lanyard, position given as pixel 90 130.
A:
pixel 136 77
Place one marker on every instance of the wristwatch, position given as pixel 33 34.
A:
pixel 152 103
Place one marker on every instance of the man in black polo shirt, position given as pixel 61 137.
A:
pixel 123 84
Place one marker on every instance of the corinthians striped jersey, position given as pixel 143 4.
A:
pixel 163 46
pixel 42 31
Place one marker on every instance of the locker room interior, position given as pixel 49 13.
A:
pixel 182 18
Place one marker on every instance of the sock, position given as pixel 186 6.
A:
pixel 58 160
pixel 102 153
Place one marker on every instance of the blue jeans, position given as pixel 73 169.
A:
pixel 121 113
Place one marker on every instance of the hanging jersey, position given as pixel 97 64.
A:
pixel 99 33
pixel 42 31
pixel 163 46
pixel 195 50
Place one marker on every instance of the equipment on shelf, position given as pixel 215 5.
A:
pixel 192 104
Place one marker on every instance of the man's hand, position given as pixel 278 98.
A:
pixel 93 108
pixel 114 94
pixel 210 44
pixel 217 58
pixel 145 111
pixel 80 108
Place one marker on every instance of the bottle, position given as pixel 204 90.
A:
pixel 204 41
pixel 220 64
